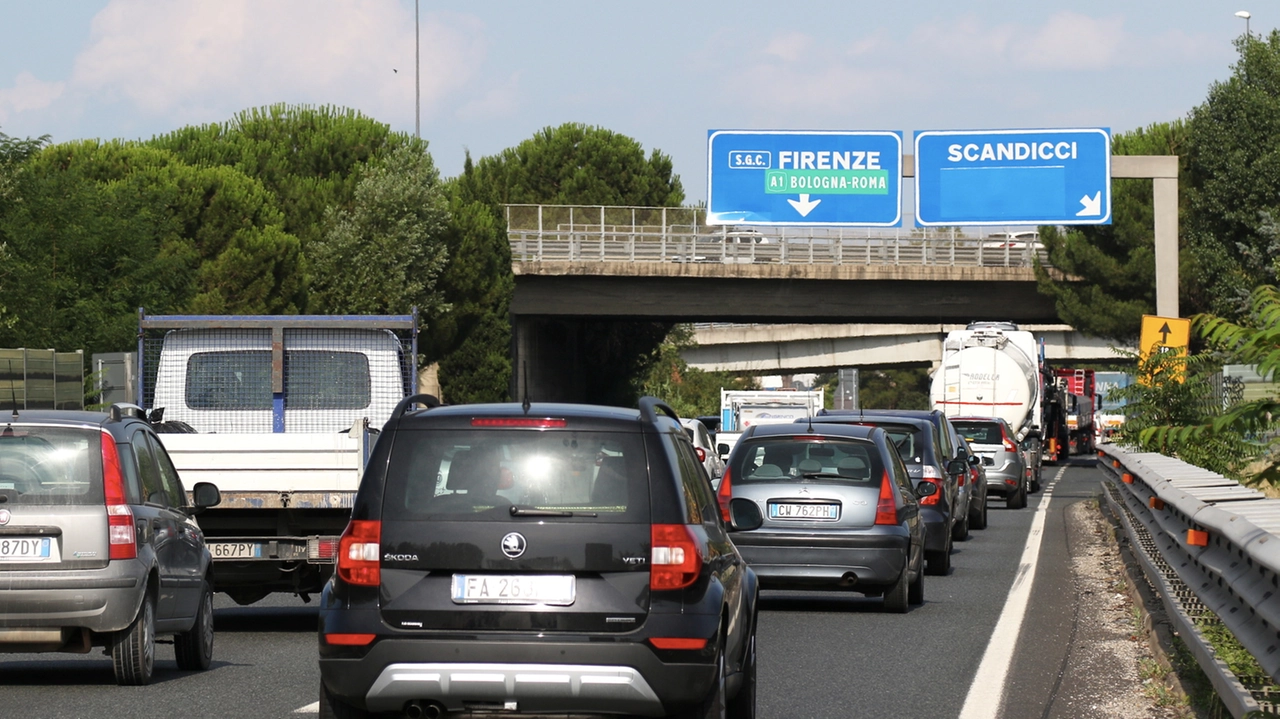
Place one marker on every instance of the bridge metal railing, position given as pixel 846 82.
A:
pixel 595 233
pixel 1211 548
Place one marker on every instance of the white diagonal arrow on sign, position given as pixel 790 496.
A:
pixel 804 205
pixel 1092 205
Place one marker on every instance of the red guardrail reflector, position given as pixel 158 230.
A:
pixel 1196 538
pixel 1126 478
pixel 1155 503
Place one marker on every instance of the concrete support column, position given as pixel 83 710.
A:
pixel 1163 171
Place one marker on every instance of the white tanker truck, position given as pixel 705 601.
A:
pixel 994 369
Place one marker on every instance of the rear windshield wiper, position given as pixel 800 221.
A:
pixel 534 512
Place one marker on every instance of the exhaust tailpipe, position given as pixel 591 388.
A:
pixel 849 579
pixel 414 710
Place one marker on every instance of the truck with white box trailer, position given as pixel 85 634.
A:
pixel 280 412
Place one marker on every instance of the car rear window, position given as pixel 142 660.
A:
pixel 782 459
pixel 907 439
pixel 50 465
pixel 980 432
pixel 481 474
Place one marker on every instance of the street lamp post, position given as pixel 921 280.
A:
pixel 1244 14
pixel 417 81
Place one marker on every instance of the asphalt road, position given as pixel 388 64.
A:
pixel 820 654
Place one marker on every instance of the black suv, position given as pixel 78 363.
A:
pixel 545 558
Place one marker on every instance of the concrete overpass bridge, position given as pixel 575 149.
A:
pixel 794 348
pixel 576 265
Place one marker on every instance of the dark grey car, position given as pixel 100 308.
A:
pixel 97 542
pixel 839 511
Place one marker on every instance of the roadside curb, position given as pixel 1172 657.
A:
pixel 1156 628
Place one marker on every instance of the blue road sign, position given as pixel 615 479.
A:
pixel 1013 177
pixel 781 177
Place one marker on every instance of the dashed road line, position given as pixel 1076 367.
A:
pixel 987 690
pixel 312 708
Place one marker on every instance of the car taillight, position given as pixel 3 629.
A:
pixel 702 454
pixel 930 472
pixel 724 494
pixel 937 493
pixel 122 538
pixel 674 561
pixel 886 507
pixel 1009 446
pixel 358 548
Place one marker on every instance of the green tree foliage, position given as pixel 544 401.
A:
pixel 894 388
pixel 576 164
pixel 572 164
pixel 13 152
pixel 691 392
pixel 1116 262
pixel 1233 178
pixel 308 157
pixel 385 254
pixel 1171 409
pixel 103 228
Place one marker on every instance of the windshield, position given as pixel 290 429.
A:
pixel 782 459
pixel 484 473
pixel 50 465
pixel 907 439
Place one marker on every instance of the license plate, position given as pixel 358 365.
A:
pixel 235 550
pixel 781 510
pixel 25 549
pixel 556 589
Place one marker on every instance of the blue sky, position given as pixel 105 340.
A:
pixel 662 72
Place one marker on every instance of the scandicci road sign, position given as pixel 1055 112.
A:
pixel 1013 177
pixel 780 177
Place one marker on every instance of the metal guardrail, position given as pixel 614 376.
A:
pixel 1211 547
pixel 561 233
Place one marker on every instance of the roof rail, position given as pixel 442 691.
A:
pixel 119 410
pixel 429 401
pixel 650 406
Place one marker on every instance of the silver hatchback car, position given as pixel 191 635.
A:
pixel 992 439
pixel 839 509
pixel 97 543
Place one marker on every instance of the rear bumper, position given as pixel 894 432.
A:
pixel 876 560
pixel 541 676
pixel 100 600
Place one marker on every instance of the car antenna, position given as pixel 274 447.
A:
pixel 526 403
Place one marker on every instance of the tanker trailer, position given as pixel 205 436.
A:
pixel 990 369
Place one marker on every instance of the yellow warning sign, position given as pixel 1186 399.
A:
pixel 1165 333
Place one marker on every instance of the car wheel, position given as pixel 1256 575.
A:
pixel 979 518
pixel 743 704
pixel 194 648
pixel 1018 499
pixel 915 590
pixel 960 530
pixel 895 599
pixel 331 708
pixel 939 563
pixel 713 707
pixel 133 656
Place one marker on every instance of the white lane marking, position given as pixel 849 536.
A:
pixel 987 690
pixel 312 708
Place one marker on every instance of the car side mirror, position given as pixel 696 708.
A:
pixel 926 489
pixel 744 515
pixel 205 495
pixel 988 461
pixel 957 466
pixel 722 449
pixel 974 460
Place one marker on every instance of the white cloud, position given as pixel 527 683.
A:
pixel 1071 41
pixel 193 59
pixel 28 93
pixel 495 102
pixel 789 47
